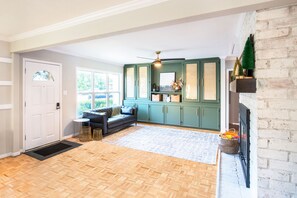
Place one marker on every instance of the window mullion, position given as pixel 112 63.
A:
pixel 107 89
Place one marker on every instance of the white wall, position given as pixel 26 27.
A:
pixel 69 64
pixel 250 101
pixel 229 63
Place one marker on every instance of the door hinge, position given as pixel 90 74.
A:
pixel 25 137
pixel 25 104
pixel 25 70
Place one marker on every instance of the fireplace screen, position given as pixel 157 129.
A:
pixel 245 141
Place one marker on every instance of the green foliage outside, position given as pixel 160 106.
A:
pixel 248 57
pixel 86 105
pixel 83 106
pixel 100 103
pixel 84 84
pixel 100 82
pixel 84 81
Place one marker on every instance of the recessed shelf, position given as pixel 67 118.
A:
pixel 243 85
pixel 5 60
pixel 5 106
pixel 6 83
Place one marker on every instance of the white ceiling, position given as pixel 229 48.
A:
pixel 19 16
pixel 213 37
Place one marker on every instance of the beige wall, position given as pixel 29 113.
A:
pixel 6 134
pixel 69 64
pixel 11 122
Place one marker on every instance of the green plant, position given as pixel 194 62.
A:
pixel 248 57
pixel 83 106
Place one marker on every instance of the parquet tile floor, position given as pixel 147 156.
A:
pixel 99 169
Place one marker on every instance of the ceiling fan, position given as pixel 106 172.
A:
pixel 158 62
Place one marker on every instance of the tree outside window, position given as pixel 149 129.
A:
pixel 97 89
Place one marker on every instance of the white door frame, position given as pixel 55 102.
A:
pixel 227 97
pixel 24 96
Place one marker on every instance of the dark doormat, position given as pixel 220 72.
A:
pixel 52 150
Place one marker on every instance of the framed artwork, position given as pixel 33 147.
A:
pixel 166 80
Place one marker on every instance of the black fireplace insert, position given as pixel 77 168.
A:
pixel 244 130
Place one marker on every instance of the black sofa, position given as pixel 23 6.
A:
pixel 111 119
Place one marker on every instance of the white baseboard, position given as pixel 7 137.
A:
pixel 17 153
pixel 5 155
pixel 70 136
pixel 218 187
pixel 11 154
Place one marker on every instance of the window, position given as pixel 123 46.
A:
pixel 43 76
pixel 97 89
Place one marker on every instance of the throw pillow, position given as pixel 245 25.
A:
pixel 127 110
pixel 116 110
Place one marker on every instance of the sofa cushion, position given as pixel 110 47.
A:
pixel 94 116
pixel 127 110
pixel 119 120
pixel 107 110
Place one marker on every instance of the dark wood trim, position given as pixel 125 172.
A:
pixel 243 85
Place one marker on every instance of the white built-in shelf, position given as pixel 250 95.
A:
pixel 5 60
pixel 5 106
pixel 6 83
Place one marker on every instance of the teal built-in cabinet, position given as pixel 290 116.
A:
pixel 199 104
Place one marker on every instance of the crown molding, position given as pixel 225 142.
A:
pixel 114 10
pixel 4 38
pixel 116 64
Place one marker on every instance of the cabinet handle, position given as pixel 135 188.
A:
pixel 203 112
pixel 197 111
pixel 163 109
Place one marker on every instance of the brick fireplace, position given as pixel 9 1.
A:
pixel 273 109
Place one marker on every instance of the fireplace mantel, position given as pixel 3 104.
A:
pixel 243 85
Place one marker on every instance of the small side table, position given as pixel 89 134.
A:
pixel 84 129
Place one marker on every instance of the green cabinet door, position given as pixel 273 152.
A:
pixel 143 81
pixel 130 82
pixel 210 118
pixel 129 103
pixel 191 87
pixel 143 112
pixel 210 80
pixel 190 116
pixel 156 113
pixel 172 114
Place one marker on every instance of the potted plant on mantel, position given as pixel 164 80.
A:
pixel 248 57
pixel 246 82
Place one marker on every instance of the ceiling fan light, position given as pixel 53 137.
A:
pixel 157 63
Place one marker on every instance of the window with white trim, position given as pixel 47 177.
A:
pixel 96 89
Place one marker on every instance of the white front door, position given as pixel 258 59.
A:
pixel 42 102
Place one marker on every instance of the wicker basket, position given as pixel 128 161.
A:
pixel 229 146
